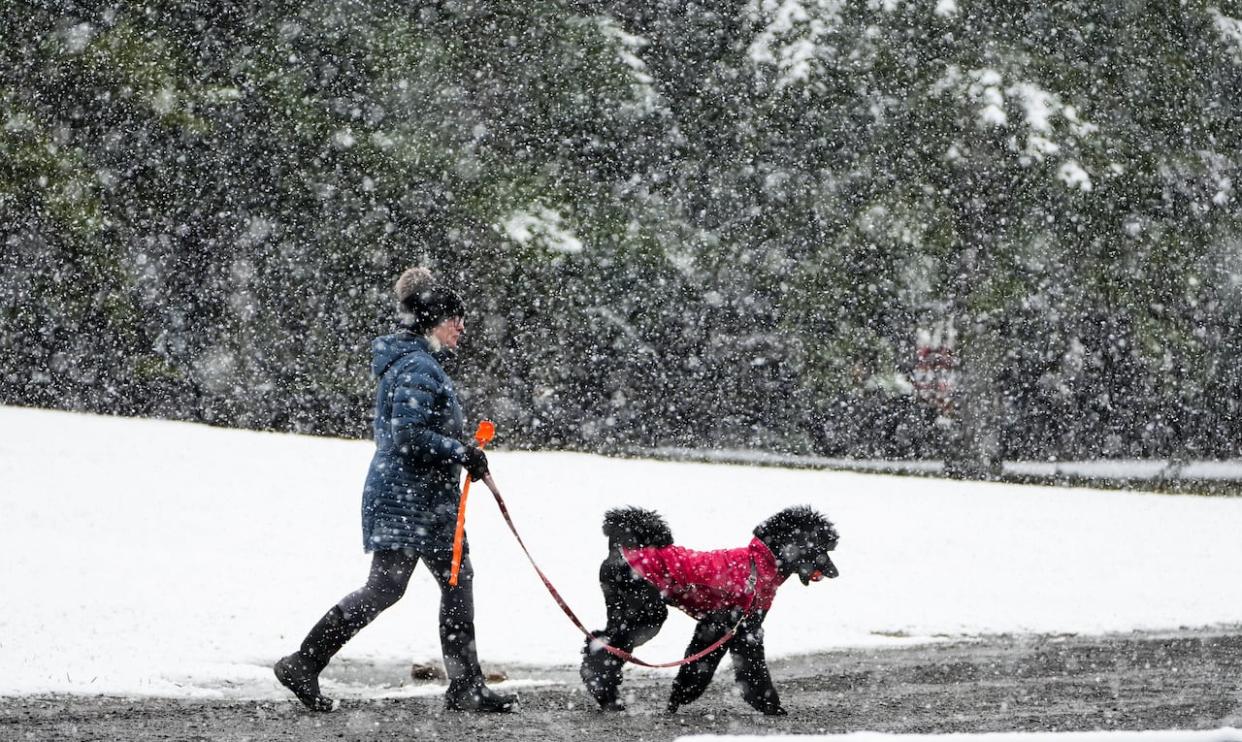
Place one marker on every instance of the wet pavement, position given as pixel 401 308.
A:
pixel 1184 679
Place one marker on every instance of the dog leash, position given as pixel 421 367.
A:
pixel 595 641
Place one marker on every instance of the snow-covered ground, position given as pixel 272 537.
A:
pixel 158 558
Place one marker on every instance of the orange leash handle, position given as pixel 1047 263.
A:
pixel 482 435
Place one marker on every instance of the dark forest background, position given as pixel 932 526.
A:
pixel 963 230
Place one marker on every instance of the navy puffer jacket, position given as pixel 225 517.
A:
pixel 412 488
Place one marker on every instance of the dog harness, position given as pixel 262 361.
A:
pixel 701 582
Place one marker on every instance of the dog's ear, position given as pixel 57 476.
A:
pixel 827 538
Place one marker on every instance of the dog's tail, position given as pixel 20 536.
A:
pixel 633 528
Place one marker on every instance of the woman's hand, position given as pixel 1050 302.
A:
pixel 475 463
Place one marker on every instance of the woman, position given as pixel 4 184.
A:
pixel 409 502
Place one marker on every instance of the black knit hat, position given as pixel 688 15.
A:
pixel 424 301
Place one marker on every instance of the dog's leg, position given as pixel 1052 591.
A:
pixel 692 679
pixel 750 667
pixel 635 614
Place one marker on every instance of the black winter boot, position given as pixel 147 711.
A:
pixel 470 694
pixel 300 676
pixel 299 672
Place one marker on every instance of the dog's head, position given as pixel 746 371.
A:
pixel 800 539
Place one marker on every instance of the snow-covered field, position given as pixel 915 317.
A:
pixel 157 558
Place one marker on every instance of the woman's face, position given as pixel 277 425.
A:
pixel 449 331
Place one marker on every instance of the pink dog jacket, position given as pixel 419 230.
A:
pixel 700 582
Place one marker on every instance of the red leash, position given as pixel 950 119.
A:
pixel 614 651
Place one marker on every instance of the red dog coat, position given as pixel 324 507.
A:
pixel 700 582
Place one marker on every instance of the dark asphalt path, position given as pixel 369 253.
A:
pixel 1185 679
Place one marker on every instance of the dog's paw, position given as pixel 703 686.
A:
pixel 776 711
pixel 672 707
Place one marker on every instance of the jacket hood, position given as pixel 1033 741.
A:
pixel 387 349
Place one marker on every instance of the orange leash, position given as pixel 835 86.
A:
pixel 482 435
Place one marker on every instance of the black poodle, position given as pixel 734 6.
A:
pixel 644 572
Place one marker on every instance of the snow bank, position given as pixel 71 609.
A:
pixel 1227 734
pixel 158 558
pixel 1115 470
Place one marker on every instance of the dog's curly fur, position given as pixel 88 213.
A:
pixel 800 538
pixel 633 528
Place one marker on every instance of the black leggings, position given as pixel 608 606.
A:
pixel 389 577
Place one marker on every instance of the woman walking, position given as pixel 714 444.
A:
pixel 409 502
